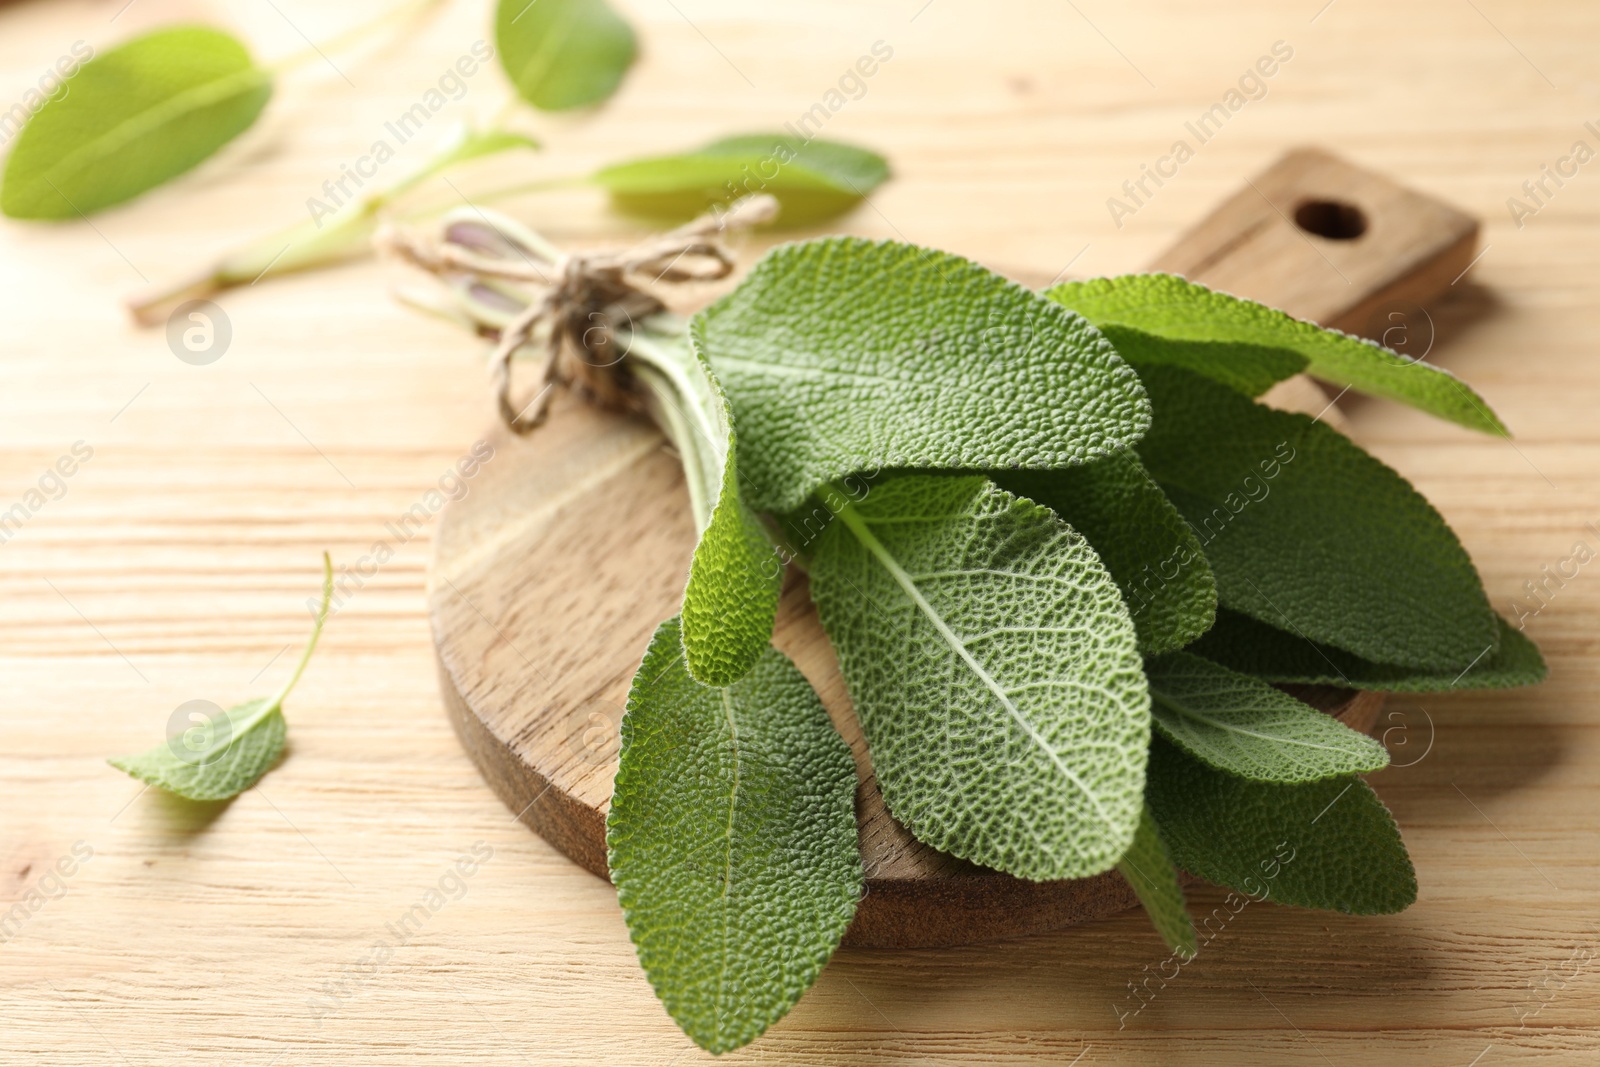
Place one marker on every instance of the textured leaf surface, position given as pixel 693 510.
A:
pixel 813 180
pixel 563 54
pixel 1345 853
pixel 731 598
pixel 1267 652
pixel 994 670
pixel 246 746
pixel 843 355
pixel 732 841
pixel 1155 558
pixel 1241 725
pixel 229 753
pixel 1305 530
pixel 136 116
pixel 1148 869
pixel 1164 318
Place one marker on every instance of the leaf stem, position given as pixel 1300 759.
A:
pixel 316 633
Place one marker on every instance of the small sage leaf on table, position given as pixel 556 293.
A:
pixel 731 598
pixel 1143 541
pixel 994 669
pixel 1167 319
pixel 562 54
pixel 843 355
pixel 1275 655
pixel 136 116
pixel 1305 530
pixel 1244 726
pixel 732 841
pixel 1148 869
pixel 237 749
pixel 812 180
pixel 1328 844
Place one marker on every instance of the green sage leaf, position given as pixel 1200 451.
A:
pixel 732 841
pixel 995 672
pixel 1143 541
pixel 562 54
pixel 1275 655
pixel 1242 725
pixel 812 179
pixel 731 598
pixel 137 115
pixel 1148 869
pixel 1305 530
pixel 1329 844
pixel 1163 318
pixel 230 755
pixel 842 355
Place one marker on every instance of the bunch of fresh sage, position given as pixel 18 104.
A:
pixel 1065 559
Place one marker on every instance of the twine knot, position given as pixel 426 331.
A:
pixel 578 305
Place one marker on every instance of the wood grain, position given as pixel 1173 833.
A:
pixel 547 579
pixel 190 542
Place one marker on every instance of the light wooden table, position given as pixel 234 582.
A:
pixel 177 563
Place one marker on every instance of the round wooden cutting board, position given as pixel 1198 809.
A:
pixel 572 544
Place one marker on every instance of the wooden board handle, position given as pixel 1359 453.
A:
pixel 1328 241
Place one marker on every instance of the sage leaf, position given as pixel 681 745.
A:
pixel 843 355
pixel 137 116
pixel 1329 844
pixel 1164 318
pixel 812 179
pixel 1275 655
pixel 731 598
pixel 994 670
pixel 1243 726
pixel 229 755
pixel 732 841
pixel 1148 869
pixel 562 54
pixel 1155 558
pixel 1306 531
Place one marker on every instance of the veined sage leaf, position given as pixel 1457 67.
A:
pixel 1143 541
pixel 994 670
pixel 1242 725
pixel 1148 869
pixel 138 115
pixel 1164 318
pixel 1329 844
pixel 236 750
pixel 732 841
pixel 1305 530
pixel 1275 655
pixel 562 54
pixel 731 598
pixel 842 355
pixel 813 180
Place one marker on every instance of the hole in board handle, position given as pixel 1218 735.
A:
pixel 1333 219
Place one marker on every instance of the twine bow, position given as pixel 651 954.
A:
pixel 581 304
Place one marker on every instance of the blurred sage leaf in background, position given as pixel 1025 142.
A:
pixel 563 54
pixel 812 179
pixel 136 116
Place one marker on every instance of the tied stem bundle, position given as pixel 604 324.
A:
pixel 575 306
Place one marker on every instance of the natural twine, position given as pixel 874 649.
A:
pixel 579 298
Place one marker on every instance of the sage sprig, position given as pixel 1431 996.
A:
pixel 225 756
pixel 1059 565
